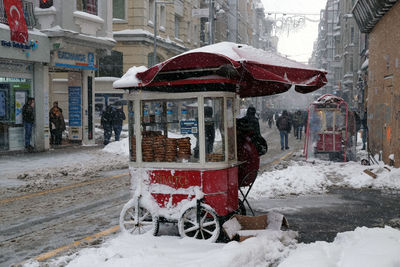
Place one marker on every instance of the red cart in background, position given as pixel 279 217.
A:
pixel 331 130
pixel 184 163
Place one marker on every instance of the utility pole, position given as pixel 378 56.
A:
pixel 211 20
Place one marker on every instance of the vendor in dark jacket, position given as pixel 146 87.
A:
pixel 250 125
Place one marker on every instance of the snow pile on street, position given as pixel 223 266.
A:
pixel 364 247
pixel 302 177
pixel 118 147
pixel 147 250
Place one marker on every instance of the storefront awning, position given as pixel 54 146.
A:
pixel 254 72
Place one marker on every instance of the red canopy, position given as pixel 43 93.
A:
pixel 249 71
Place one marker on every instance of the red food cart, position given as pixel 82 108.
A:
pixel 183 147
pixel 330 130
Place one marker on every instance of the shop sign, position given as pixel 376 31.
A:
pixel 32 45
pixel 188 127
pixel 75 106
pixel 75 60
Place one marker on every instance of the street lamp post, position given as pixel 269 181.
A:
pixel 155 28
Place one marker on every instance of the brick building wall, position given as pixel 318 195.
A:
pixel 384 87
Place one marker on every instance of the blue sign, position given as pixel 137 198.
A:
pixel 189 127
pixel 75 105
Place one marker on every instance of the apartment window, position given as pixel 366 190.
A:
pixel 352 35
pixel 189 31
pixel 88 6
pixel 177 22
pixel 111 66
pixel 151 10
pixel 163 18
pixel 119 9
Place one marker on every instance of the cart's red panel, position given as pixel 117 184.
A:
pixel 219 203
pixel 233 198
pixel 329 142
pixel 175 179
pixel 164 199
pixel 215 181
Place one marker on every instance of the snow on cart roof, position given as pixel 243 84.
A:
pixel 225 66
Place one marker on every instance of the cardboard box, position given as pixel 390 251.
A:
pixel 243 227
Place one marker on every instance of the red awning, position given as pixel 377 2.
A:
pixel 254 71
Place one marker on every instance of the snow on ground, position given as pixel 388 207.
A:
pixel 361 247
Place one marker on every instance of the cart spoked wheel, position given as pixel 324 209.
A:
pixel 136 220
pixel 200 224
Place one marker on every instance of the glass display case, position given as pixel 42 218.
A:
pixel 174 129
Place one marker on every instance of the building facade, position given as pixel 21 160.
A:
pixel 337 50
pixel 380 20
pixel 23 72
pixel 79 33
pixel 183 25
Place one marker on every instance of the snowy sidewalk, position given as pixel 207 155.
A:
pixel 66 165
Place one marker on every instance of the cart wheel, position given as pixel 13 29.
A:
pixel 143 223
pixel 206 228
pixel 242 208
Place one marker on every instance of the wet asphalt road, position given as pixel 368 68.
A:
pixel 321 217
pixel 41 224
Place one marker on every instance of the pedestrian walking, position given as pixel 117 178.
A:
pixel 298 124
pixel 284 125
pixel 364 130
pixel 106 123
pixel 118 117
pixel 28 118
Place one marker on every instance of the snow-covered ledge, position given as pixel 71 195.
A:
pixel 89 23
pixel 45 17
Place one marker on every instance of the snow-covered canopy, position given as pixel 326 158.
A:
pixel 234 67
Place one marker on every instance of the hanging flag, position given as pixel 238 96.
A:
pixel 16 21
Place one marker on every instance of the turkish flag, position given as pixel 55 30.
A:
pixel 16 20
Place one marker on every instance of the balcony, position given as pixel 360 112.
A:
pixel 367 13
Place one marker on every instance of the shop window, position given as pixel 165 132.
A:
pixel 151 11
pixel 214 129
pixel 119 9
pixel 88 6
pixel 177 22
pixel 169 131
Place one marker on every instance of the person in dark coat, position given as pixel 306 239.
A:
pixel 28 117
pixel 57 125
pixel 298 124
pixel 284 125
pixel 118 116
pixel 250 124
pixel 364 130
pixel 106 123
